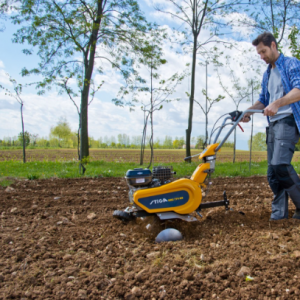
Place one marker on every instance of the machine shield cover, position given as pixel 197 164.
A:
pixel 167 200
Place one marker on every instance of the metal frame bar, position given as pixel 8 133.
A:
pixel 235 124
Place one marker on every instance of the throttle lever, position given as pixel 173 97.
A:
pixel 241 127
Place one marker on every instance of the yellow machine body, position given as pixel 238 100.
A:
pixel 209 151
pixel 182 196
pixel 153 193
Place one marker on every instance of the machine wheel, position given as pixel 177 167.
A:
pixel 123 216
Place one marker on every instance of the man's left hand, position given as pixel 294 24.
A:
pixel 271 110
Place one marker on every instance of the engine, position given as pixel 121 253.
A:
pixel 140 178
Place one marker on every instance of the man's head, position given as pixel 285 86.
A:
pixel 266 47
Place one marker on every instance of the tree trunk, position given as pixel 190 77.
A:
pixel 84 138
pixel 23 133
pixel 151 117
pixel 190 120
pixel 143 140
pixel 89 66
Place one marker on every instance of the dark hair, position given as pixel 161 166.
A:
pixel 266 38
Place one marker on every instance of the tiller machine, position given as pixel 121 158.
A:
pixel 154 193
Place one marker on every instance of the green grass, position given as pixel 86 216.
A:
pixel 40 170
pixel 43 170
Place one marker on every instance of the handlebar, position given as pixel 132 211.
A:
pixel 236 120
pixel 235 117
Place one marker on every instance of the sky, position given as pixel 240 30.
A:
pixel 106 119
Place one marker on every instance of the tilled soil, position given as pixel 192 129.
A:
pixel 60 241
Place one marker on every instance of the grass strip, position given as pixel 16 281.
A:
pixel 58 169
pixel 40 170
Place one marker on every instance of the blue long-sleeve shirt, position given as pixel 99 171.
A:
pixel 289 68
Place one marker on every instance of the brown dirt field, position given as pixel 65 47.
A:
pixel 53 248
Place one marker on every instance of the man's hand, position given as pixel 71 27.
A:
pixel 271 110
pixel 246 118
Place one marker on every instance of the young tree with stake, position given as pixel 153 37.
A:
pixel 17 87
pixel 197 15
pixel 154 91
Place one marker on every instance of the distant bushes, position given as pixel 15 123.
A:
pixel 69 139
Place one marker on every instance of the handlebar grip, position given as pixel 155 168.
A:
pixel 262 111
pixel 187 158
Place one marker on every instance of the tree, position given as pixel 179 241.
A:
pixel 24 139
pixel 155 90
pixel 276 16
pixel 259 142
pixel 208 105
pixel 62 131
pixel 280 17
pixel 17 95
pixel 168 142
pixel 196 15
pixel 178 143
pixel 5 7
pixel 68 35
pixel 294 46
pixel 240 89
pixel 201 141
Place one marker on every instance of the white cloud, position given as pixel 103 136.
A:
pixel 4 79
pixel 168 9
pixel 240 23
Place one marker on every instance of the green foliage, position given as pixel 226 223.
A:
pixel 93 143
pixel 228 144
pixel 197 18
pixel 33 176
pixel 85 160
pixel 293 37
pixel 69 36
pixel 42 143
pixel 60 135
pixel 297 147
pixel 154 89
pixel 178 143
pixel 124 141
pixel 63 30
pixel 168 144
pixel 258 142
pixel 276 16
pixel 200 142
pixel 26 137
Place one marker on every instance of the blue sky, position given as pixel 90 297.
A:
pixel 105 119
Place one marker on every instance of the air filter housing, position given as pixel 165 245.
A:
pixel 163 174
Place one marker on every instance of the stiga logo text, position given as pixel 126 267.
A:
pixel 172 199
pixel 157 201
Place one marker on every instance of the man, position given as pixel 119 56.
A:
pixel 279 98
